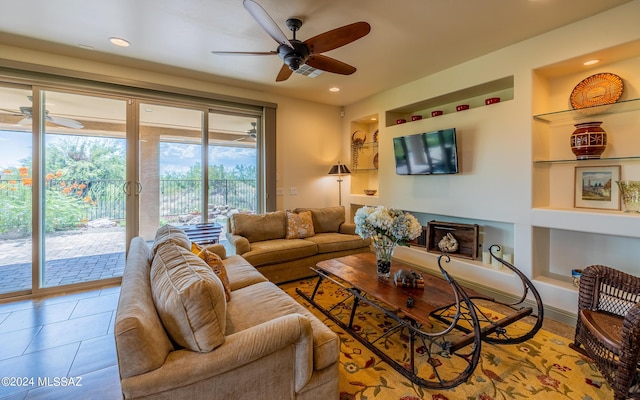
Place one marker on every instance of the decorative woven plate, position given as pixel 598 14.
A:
pixel 596 90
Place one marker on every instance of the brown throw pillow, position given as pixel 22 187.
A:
pixel 299 226
pixel 215 262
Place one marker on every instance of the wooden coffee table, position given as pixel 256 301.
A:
pixel 443 318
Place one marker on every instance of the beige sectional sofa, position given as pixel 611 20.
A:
pixel 262 240
pixel 177 337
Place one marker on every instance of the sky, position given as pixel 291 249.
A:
pixel 176 157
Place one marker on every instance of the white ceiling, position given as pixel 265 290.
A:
pixel 409 39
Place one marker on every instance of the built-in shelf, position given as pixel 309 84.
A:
pixel 571 116
pixel 593 161
pixel 474 96
pixel 604 222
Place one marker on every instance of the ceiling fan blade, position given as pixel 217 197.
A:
pixel 69 123
pixel 245 53
pixel 337 37
pixel 24 121
pixel 266 22
pixel 329 64
pixel 10 112
pixel 284 74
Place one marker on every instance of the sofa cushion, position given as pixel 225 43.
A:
pixel 241 273
pixel 170 234
pixel 332 242
pixel 189 298
pixel 279 250
pixel 299 225
pixel 265 301
pixel 326 219
pixel 259 227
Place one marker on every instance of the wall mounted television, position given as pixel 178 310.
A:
pixel 429 153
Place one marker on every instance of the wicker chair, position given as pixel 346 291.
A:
pixel 608 327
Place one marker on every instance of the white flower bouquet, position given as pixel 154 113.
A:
pixel 386 226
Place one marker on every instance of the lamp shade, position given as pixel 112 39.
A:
pixel 339 169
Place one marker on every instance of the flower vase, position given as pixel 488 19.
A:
pixel 384 252
pixel 630 192
pixel 588 141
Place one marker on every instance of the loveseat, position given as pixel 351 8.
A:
pixel 178 337
pixel 284 245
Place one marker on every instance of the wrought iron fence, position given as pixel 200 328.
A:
pixel 106 198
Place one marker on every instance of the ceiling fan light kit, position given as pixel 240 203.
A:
pixel 295 53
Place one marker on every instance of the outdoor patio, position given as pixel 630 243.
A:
pixel 72 257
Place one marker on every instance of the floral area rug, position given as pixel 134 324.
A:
pixel 543 367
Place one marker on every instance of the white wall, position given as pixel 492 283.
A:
pixel 495 142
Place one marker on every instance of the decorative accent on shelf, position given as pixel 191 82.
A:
pixel 630 192
pixel 594 187
pixel 370 192
pixel 575 275
pixel 375 136
pixel 375 161
pixel 448 243
pixel 357 142
pixel 387 228
pixel 597 90
pixel 465 234
pixel 588 140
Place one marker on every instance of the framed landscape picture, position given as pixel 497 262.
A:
pixel 595 187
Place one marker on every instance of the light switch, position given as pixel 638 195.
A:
pixel 279 192
pixel 293 190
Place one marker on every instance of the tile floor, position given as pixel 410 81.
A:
pixel 62 336
pixel 72 336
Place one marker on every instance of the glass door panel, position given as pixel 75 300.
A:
pixel 233 164
pixel 170 167
pixel 84 176
pixel 16 184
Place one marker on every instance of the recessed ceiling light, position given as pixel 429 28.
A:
pixel 334 89
pixel 148 110
pixel 120 42
pixel 590 62
pixel 374 118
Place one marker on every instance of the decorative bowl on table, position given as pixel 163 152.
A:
pixel 370 192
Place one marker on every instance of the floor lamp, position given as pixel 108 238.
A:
pixel 339 169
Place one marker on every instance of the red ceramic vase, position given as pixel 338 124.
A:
pixel 588 141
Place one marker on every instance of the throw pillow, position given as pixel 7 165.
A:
pixel 215 262
pixel 299 226
pixel 189 298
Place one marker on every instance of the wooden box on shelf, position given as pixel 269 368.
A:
pixel 421 240
pixel 465 234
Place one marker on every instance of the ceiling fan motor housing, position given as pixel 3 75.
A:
pixel 296 57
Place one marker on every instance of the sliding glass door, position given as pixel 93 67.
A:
pixel 171 176
pixel 84 168
pixel 233 164
pixel 81 173
pixel 16 184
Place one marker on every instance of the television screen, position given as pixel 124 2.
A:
pixel 427 153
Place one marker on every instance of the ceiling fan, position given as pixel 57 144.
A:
pixel 27 112
pixel 296 53
pixel 252 133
